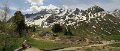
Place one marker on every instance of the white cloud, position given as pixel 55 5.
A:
pixel 38 5
pixel 26 2
pixel 108 6
pixel 36 2
pixel 36 8
pixel 13 8
pixel 1 13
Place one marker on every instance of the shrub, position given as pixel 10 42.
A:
pixel 57 28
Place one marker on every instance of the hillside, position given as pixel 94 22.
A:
pixel 94 20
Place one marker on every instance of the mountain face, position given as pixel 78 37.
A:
pixel 116 13
pixel 75 17
pixel 94 20
pixel 64 16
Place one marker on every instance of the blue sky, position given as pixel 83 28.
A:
pixel 27 6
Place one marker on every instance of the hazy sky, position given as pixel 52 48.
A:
pixel 27 6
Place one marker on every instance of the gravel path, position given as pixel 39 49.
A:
pixel 32 49
pixel 71 48
pixel 77 48
pixel 28 49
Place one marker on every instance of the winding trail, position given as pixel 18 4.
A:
pixel 32 49
pixel 28 49
pixel 76 48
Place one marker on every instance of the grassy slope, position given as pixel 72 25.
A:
pixel 46 45
pixel 11 43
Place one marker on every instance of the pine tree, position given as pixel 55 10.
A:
pixel 19 19
pixel 57 28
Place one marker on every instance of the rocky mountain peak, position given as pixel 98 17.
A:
pixel 77 11
pixel 95 9
pixel 116 13
pixel 73 17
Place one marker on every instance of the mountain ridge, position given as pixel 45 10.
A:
pixel 64 15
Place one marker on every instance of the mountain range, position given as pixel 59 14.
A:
pixel 92 20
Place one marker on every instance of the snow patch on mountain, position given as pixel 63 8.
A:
pixel 49 17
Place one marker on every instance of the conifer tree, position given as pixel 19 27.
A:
pixel 57 28
pixel 19 19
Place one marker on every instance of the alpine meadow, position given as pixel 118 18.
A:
pixel 59 25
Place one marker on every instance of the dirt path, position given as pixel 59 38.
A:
pixel 67 49
pixel 76 48
pixel 29 49
pixel 32 49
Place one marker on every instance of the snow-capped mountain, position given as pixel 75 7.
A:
pixel 72 17
pixel 116 13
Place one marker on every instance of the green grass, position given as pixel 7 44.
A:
pixel 115 45
pixel 15 44
pixel 114 49
pixel 88 49
pixel 12 43
pixel 111 37
pixel 44 29
pixel 41 44
pixel 46 45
